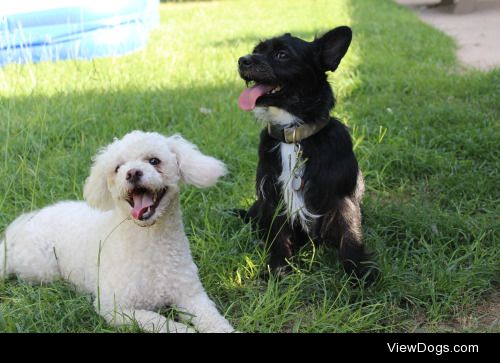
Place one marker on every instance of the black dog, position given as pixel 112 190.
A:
pixel 308 186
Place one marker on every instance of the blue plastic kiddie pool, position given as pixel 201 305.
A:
pixel 40 30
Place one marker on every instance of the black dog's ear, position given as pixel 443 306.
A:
pixel 333 46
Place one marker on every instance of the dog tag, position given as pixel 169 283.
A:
pixel 298 172
pixel 297 183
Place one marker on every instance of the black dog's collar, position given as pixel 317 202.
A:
pixel 292 135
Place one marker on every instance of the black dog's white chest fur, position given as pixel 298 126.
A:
pixel 294 200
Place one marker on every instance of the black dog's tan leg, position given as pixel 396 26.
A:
pixel 344 227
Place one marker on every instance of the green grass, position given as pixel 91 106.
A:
pixel 426 132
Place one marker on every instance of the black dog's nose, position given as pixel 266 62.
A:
pixel 245 61
pixel 134 175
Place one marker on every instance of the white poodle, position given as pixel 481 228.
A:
pixel 126 245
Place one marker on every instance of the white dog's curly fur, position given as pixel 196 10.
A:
pixel 126 245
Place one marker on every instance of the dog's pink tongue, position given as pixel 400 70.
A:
pixel 249 96
pixel 141 203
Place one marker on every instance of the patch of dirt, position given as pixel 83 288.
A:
pixel 484 318
pixel 476 32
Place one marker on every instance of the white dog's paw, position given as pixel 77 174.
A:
pixel 224 327
pixel 175 327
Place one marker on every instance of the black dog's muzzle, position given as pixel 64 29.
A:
pixel 253 68
pixel 245 62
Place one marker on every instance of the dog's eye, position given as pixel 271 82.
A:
pixel 154 161
pixel 281 55
pixel 117 167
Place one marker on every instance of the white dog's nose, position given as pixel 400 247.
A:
pixel 134 175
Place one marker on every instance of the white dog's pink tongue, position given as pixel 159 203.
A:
pixel 249 96
pixel 141 203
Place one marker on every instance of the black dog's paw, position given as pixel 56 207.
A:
pixel 240 213
pixel 368 272
pixel 236 212
pixel 360 262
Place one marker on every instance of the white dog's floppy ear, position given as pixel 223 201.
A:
pixel 195 168
pixel 95 190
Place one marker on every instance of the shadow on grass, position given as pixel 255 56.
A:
pixel 48 142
